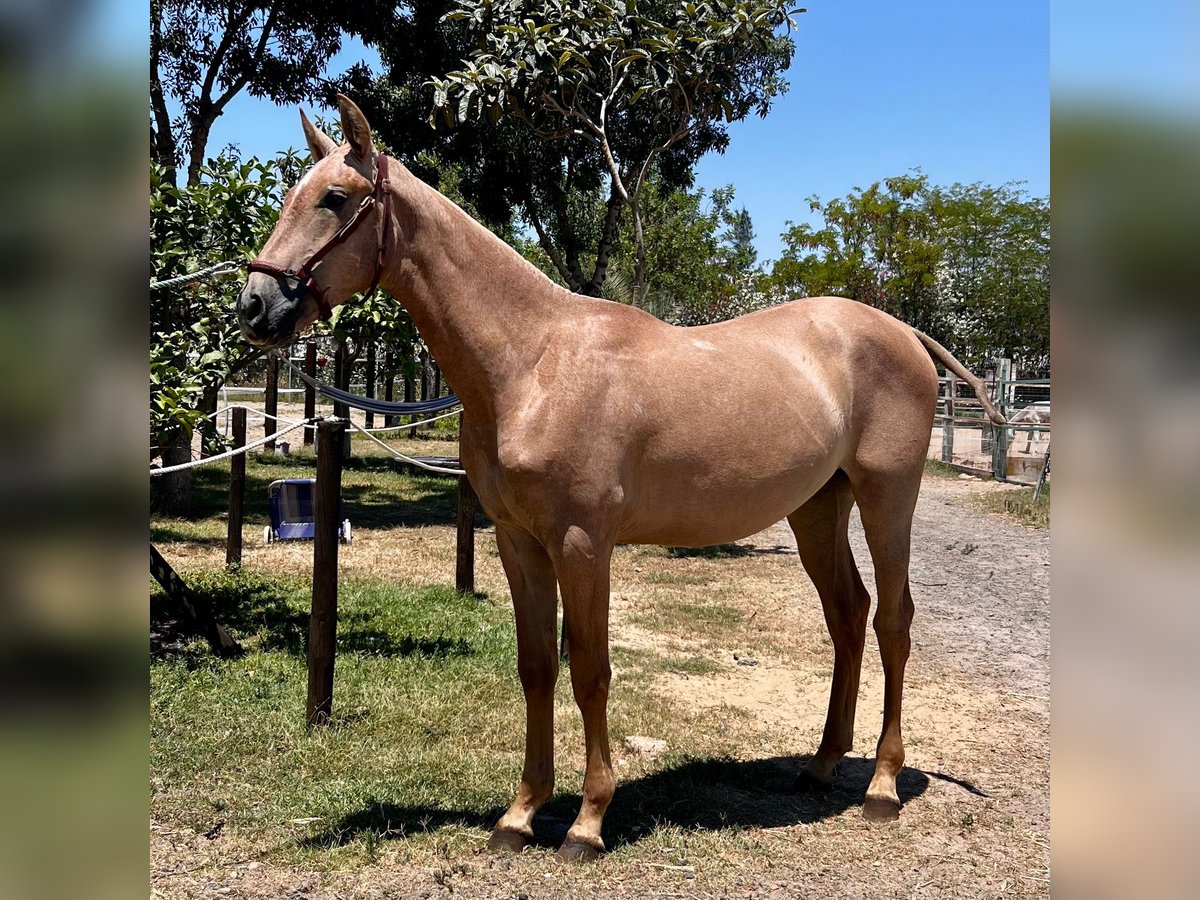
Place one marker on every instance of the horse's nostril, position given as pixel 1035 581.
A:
pixel 252 308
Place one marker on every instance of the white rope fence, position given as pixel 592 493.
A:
pixel 163 470
pixel 229 267
pixel 440 470
pixel 308 424
pixel 250 410
pixel 453 412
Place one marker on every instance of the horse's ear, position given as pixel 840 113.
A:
pixel 319 143
pixel 355 127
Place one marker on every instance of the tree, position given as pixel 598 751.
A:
pixel 203 53
pixel 194 340
pixel 740 236
pixel 967 264
pixel 993 278
pixel 697 273
pixel 623 87
pixel 875 246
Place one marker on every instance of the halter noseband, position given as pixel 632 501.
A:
pixel 381 194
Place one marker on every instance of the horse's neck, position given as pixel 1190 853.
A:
pixel 485 313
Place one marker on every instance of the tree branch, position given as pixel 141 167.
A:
pixel 232 28
pixel 165 146
pixel 259 51
pixel 546 243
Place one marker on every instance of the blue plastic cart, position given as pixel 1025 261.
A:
pixel 290 506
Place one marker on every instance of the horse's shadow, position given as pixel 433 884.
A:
pixel 705 794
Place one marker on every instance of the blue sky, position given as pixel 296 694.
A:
pixel 958 88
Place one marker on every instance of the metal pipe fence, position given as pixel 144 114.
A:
pixel 963 437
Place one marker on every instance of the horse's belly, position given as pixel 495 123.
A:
pixel 700 512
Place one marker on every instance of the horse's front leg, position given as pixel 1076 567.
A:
pixel 583 573
pixel 531 580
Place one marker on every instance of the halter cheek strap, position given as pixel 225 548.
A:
pixel 381 196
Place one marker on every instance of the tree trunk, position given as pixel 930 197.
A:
pixel 639 256
pixel 208 427
pixel 174 490
pixel 201 126
pixel 162 141
pixel 547 245
pixel 612 218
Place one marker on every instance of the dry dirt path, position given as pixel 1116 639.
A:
pixel 980 583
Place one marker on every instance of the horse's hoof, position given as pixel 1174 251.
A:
pixel 881 809
pixel 573 850
pixel 808 783
pixel 504 841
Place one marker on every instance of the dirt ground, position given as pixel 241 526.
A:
pixel 976 817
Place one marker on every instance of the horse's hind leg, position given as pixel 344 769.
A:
pixel 820 527
pixel 886 501
pixel 535 604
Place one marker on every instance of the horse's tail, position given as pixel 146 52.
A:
pixel 941 355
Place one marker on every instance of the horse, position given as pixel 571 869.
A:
pixel 588 423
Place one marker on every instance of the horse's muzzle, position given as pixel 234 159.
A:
pixel 267 316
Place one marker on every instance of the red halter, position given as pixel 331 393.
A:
pixel 381 194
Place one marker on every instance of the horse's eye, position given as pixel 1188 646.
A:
pixel 332 200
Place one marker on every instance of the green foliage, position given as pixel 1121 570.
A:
pixel 739 235
pixel 194 339
pixel 699 267
pixel 875 246
pixel 562 66
pixel 205 52
pixel 993 280
pixel 617 87
pixel 968 264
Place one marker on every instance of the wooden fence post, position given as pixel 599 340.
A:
pixel 389 386
pixel 322 635
pixel 1000 432
pixel 271 401
pixel 339 375
pixel 464 561
pixel 237 491
pixel 310 393
pixel 195 608
pixel 371 381
pixel 410 377
pixel 948 422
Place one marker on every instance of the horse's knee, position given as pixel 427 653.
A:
pixel 538 676
pixel 589 682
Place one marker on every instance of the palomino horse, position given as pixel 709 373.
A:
pixel 587 423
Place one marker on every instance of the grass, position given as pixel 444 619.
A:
pixel 228 742
pixel 1019 505
pixel 944 470
pixel 1015 504
pixel 427 741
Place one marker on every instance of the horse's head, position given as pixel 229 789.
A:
pixel 327 244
